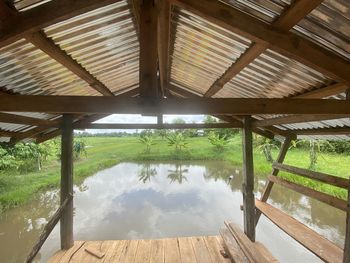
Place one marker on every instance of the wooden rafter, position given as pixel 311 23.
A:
pixel 148 49
pixel 297 11
pixel 324 92
pixel 164 43
pixel 19 119
pixel 39 40
pixel 219 106
pixel 10 134
pixel 35 19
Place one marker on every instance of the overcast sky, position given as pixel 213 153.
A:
pixel 136 118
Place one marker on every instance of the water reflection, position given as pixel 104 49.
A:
pixel 148 200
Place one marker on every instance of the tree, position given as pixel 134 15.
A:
pixel 178 140
pixel 218 142
pixel 148 142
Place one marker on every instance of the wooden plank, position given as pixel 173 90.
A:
pixel 265 252
pixel 295 119
pixel 234 250
pixel 215 249
pixel 66 226
pixel 245 59
pixel 148 49
pixel 186 250
pixel 50 13
pixel 247 246
pixel 171 251
pixel 143 253
pixel 213 106
pixel 324 92
pixel 157 251
pixel 10 134
pixel 315 243
pixel 129 251
pixel 248 180
pixel 68 254
pixel 39 40
pixel 200 250
pixel 322 197
pixel 286 43
pixel 322 177
pixel 157 126
pixel 115 252
pixel 19 119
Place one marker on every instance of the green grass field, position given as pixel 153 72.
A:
pixel 104 152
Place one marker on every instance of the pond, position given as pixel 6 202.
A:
pixel 155 200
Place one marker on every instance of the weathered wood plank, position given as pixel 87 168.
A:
pixel 186 250
pixel 172 252
pixel 322 177
pixel 315 243
pixel 200 250
pixel 143 253
pixel 68 254
pixel 322 197
pixel 114 254
pixel 324 92
pixel 157 251
pixel 214 248
pixel 129 251
pixel 232 248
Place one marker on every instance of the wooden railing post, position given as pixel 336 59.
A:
pixel 346 258
pixel 248 179
pixel 67 181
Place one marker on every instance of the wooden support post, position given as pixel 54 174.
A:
pixel 248 179
pixel 282 154
pixel 67 181
pixel 160 119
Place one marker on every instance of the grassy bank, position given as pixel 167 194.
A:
pixel 106 152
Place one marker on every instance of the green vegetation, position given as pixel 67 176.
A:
pixel 103 152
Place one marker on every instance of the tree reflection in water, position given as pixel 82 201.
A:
pixel 177 175
pixel 147 172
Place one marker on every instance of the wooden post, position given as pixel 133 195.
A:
pixel 67 181
pixel 160 119
pixel 248 179
pixel 346 258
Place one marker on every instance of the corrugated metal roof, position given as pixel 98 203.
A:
pixel 104 42
pixel 329 26
pixel 202 51
pixel 23 5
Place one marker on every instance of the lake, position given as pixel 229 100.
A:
pixel 155 200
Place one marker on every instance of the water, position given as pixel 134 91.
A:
pixel 155 200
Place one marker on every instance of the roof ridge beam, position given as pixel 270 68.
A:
pixel 297 11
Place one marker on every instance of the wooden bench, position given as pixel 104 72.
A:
pixel 241 249
pixel 318 245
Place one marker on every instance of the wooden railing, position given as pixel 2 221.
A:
pixel 48 229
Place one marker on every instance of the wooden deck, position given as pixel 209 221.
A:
pixel 208 249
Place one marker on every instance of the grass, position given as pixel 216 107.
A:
pixel 104 152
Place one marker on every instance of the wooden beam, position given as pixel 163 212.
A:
pixel 245 59
pixel 67 182
pixel 158 126
pixel 248 180
pixel 322 197
pixel 9 134
pixel 322 177
pixel 286 43
pixel 164 43
pixel 148 49
pixel 19 119
pixel 35 19
pixel 39 40
pixel 218 106
pixel 324 131
pixel 324 92
pixel 295 119
pixel 297 11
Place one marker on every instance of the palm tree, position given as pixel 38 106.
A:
pixel 177 174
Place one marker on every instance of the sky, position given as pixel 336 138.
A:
pixel 137 118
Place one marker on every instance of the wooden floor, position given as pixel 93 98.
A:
pixel 207 249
